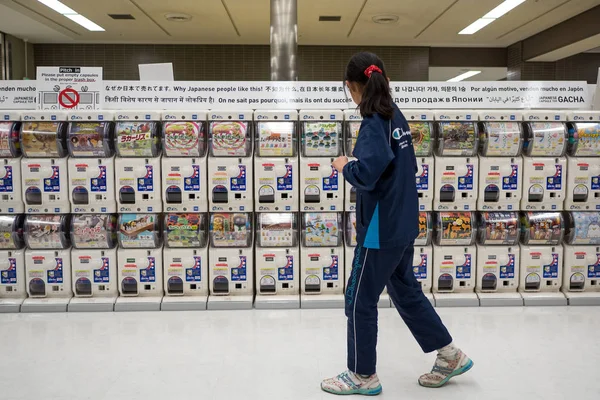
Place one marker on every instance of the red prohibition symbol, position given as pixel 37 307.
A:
pixel 68 98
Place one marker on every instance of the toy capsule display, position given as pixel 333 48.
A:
pixel 140 231
pixel 231 230
pixel 47 231
pixel 542 228
pixel 455 228
pixel 11 232
pixel 94 231
pixel 500 227
pixel 582 228
pixel 185 230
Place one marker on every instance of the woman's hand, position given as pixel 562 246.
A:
pixel 339 163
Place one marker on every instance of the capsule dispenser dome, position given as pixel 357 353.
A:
pixel 10 156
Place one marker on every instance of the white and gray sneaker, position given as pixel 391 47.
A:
pixel 348 383
pixel 444 369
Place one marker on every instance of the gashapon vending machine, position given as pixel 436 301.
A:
pixel 90 139
pixel 544 164
pixel 500 162
pixel 276 161
pixel 47 263
pixel 322 261
pixel 185 262
pixel 44 165
pixel 498 259
pixel 231 258
pixel 456 162
pixel 184 161
pixel 352 123
pixel 139 262
pixel 423 255
pixel 10 157
pixel 321 186
pixel 138 184
pixel 350 244
pixel 583 162
pixel 581 275
pixel 277 261
pixel 94 262
pixel 542 258
pixel 454 259
pixel 12 263
pixel 420 123
pixel 230 161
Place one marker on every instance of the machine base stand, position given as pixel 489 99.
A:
pixel 34 305
pixel 508 299
pixel 276 302
pixel 384 301
pixel 313 301
pixel 184 303
pixel 429 297
pixel 243 302
pixel 10 305
pixel 138 303
pixel 456 300
pixel 92 304
pixel 544 299
pixel 583 298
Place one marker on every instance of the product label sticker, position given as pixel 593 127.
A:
pixel 466 182
pixel 9 140
pixel 9 276
pixel 286 273
pixel 276 230
pixel 6 182
pixel 52 183
pixel 321 229
pixel 458 138
pixel 587 138
pixel 464 271
pixel 354 129
pixel 229 138
pixel 275 139
pixel 420 270
pixel 98 184
pixel 238 184
pixel 594 269
pixel 138 230
pixel 134 139
pixel 544 228
pixel 551 270
pixel 555 182
pixel 230 230
pixel 423 179
pixel 86 139
pixel 56 275
pixel 501 227
pixel 421 138
pixel 504 139
pixel 192 183
pixel 194 274
pixel 330 273
pixel 330 183
pixel 94 231
pixel 511 182
pixel 285 182
pixel 321 139
pixel 45 231
pixel 40 139
pixel 239 274
pixel 595 182
pixel 146 183
pixel 102 275
pixel 586 227
pixel 148 274
pixel 183 139
pixel 508 271
pixel 456 228
pixel 548 139
pixel 185 230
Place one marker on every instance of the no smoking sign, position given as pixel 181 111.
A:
pixel 68 98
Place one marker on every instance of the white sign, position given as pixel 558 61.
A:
pixel 154 72
pixel 161 95
pixel 70 88
pixel 19 95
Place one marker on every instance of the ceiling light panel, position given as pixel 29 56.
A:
pixel 503 8
pixel 72 15
pixel 476 26
pixel 466 75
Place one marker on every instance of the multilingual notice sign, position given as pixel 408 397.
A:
pixel 69 88
pixel 159 95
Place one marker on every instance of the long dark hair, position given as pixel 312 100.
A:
pixel 376 97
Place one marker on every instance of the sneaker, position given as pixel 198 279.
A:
pixel 443 370
pixel 350 383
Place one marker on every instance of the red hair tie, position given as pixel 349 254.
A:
pixel 371 69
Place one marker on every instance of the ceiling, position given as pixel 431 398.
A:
pixel 421 22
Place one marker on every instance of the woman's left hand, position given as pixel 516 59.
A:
pixel 339 163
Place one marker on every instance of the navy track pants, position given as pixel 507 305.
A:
pixel 372 270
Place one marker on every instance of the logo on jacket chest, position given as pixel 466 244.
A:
pixel 402 136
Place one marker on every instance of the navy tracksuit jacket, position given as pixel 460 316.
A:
pixel 386 224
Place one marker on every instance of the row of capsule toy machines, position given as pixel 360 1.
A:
pixel 507 160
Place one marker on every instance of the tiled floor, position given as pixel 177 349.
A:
pixel 519 353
